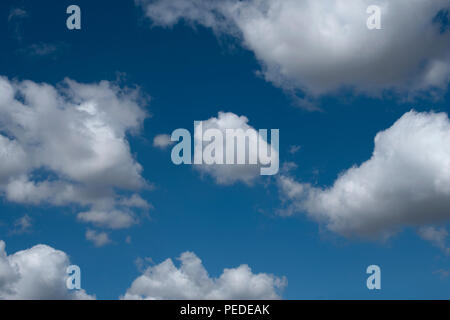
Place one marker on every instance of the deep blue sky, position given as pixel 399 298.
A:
pixel 190 75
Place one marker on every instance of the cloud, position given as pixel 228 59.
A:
pixel 162 141
pixel 230 174
pixel 320 47
pixel 99 239
pixel 135 201
pixel 15 21
pixel 17 13
pixel 406 182
pixel 442 273
pixel 294 149
pixel 68 145
pixel 38 273
pixel 436 236
pixel 191 281
pixel 42 49
pixel 22 225
pixel 113 219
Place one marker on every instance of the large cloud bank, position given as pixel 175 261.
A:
pixel 406 182
pixel 38 273
pixel 68 145
pixel 322 46
pixel 191 281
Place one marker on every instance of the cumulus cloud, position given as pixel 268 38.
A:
pixel 231 173
pixel 406 182
pixel 319 47
pixel 38 273
pixel 68 145
pixel 162 141
pixel 99 239
pixel 191 281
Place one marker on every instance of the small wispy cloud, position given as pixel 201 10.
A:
pixel 294 149
pixel 162 141
pixel 22 225
pixel 435 236
pixel 443 274
pixel 99 239
pixel 15 20
pixel 17 13
pixel 42 49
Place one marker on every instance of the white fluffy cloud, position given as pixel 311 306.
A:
pixel 112 219
pixel 406 182
pixel 229 174
pixel 68 145
pixel 35 273
pixel 322 46
pixel 191 281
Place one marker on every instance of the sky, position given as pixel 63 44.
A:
pixel 86 175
